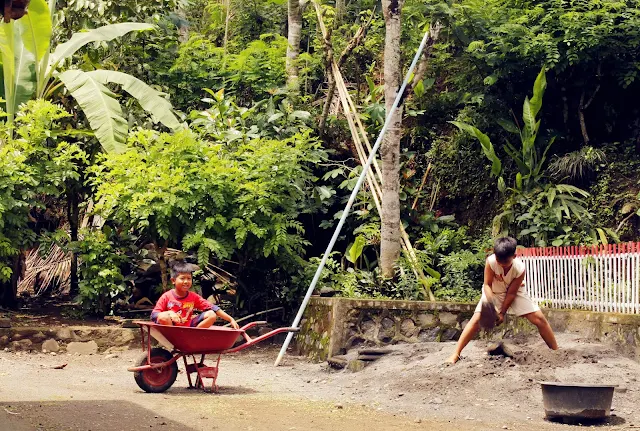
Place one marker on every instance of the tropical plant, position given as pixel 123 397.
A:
pixel 31 70
pixel 101 260
pixel 577 165
pixel 219 200
pixel 254 73
pixel 532 199
pixel 34 164
pixel 269 118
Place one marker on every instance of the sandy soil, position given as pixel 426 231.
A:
pixel 409 389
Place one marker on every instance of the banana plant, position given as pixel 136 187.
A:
pixel 528 158
pixel 32 70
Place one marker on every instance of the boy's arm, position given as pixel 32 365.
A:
pixel 161 311
pixel 512 292
pixel 203 304
pixel 488 281
pixel 224 316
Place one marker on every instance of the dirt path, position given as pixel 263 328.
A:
pixel 406 390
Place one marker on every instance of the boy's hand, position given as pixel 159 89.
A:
pixel 234 325
pixel 500 319
pixel 175 318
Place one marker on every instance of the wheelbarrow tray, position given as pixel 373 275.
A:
pixel 195 340
pixel 157 370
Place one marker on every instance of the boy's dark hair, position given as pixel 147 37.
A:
pixel 182 267
pixel 504 248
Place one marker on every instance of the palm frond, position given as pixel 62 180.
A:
pixel 44 270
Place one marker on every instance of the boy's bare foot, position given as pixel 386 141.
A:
pixel 453 359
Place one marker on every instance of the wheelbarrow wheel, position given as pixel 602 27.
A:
pixel 159 379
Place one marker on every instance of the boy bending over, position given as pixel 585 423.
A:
pixel 504 288
pixel 176 306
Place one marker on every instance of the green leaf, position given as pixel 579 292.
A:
pixel 529 117
pixel 502 187
pixel 36 29
pixel 602 235
pixel 301 115
pixel 539 87
pixel 355 251
pixel 8 67
pixel 490 80
pixel 508 126
pixel 419 89
pixel 519 181
pixel 101 108
pixel 275 117
pixel 433 273
pixel 324 192
pixel 551 196
pixel 25 73
pixel 485 142
pixel 557 242
pixel 151 100
pixel 101 34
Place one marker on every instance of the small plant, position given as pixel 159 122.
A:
pixel 100 263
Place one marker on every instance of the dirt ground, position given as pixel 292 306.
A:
pixel 409 389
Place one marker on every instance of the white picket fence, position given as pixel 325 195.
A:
pixel 604 278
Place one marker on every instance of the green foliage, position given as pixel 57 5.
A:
pixel 226 121
pixel 561 34
pixel 459 259
pixel 101 257
pixel 577 165
pixel 216 199
pixel 536 211
pixel 34 164
pixel 256 72
pixel 29 69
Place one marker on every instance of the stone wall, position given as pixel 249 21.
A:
pixel 315 329
pixel 33 339
pixel 331 326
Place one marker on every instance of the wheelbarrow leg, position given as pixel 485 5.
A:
pixel 193 368
pixel 208 373
pixel 188 370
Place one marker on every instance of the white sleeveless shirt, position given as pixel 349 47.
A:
pixel 501 281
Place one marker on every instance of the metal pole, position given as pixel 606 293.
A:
pixel 352 198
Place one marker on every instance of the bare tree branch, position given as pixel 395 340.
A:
pixel 434 34
pixel 329 58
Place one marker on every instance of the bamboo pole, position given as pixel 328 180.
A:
pixel 352 198
pixel 359 135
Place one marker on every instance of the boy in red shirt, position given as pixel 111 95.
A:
pixel 176 306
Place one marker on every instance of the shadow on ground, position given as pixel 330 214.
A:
pixel 82 416
pixel 222 390
pixel 612 420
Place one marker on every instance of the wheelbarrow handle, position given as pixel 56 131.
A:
pixel 251 341
pixel 252 324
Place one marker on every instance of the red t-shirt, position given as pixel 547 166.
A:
pixel 184 306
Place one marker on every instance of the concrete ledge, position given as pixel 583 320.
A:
pixel 331 326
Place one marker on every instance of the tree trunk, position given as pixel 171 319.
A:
pixel 162 263
pixel 390 148
pixel 73 214
pixel 295 10
pixel 9 289
pixel 340 9
pixel 227 22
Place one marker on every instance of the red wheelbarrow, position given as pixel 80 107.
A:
pixel 158 369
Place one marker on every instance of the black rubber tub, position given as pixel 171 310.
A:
pixel 575 402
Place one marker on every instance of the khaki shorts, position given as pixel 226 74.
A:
pixel 522 305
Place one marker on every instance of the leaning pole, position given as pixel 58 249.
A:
pixel 352 198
